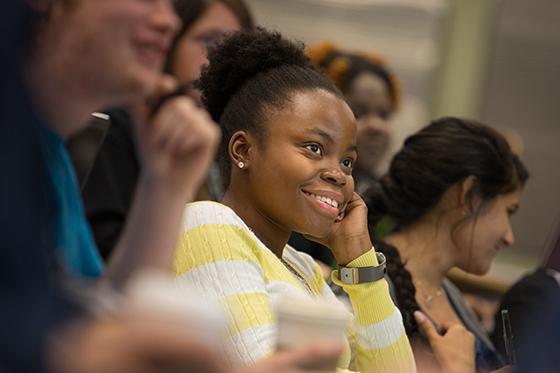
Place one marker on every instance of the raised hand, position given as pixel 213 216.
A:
pixel 454 349
pixel 177 143
pixel 349 237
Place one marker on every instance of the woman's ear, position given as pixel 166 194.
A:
pixel 469 200
pixel 239 149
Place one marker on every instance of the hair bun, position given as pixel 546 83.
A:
pixel 241 56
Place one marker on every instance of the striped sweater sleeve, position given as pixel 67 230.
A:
pixel 377 337
pixel 219 262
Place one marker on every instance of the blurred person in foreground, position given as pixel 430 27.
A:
pixel 109 190
pixel 72 66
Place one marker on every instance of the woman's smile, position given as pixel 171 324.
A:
pixel 326 202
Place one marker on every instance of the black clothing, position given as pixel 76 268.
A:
pixel 109 189
pixel 527 302
pixel 316 250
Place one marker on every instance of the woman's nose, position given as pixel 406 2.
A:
pixel 334 176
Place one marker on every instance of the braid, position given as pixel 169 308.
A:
pixel 404 287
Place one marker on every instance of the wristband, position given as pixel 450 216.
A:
pixel 360 275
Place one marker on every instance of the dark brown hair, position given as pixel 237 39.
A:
pixel 189 11
pixel 445 152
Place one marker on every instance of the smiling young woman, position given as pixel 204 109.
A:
pixel 287 152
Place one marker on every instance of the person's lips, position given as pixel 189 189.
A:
pixel 152 52
pixel 327 202
pixel 499 246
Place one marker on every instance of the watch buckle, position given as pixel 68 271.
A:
pixel 351 275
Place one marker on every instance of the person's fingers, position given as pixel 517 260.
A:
pixel 163 344
pixel 201 134
pixel 455 329
pixel 174 116
pixel 165 85
pixel 426 326
pixel 354 202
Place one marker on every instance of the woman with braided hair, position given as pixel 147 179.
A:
pixel 450 191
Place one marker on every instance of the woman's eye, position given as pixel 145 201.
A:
pixel 347 163
pixel 314 148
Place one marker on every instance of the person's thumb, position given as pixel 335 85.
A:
pixel 426 326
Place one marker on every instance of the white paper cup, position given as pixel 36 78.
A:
pixel 306 321
pixel 155 293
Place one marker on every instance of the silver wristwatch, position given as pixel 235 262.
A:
pixel 363 274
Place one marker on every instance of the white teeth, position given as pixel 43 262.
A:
pixel 326 200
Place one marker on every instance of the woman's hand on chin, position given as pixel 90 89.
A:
pixel 349 237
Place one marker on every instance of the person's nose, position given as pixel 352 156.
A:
pixel 165 18
pixel 509 238
pixel 334 175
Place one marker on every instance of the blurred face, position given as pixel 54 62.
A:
pixel 114 50
pixel 192 48
pixel 368 96
pixel 301 177
pixel 374 136
pixel 480 239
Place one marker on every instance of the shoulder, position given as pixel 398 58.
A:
pixel 211 232
pixel 201 213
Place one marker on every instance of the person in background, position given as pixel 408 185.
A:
pixel 287 156
pixel 539 351
pixel 451 191
pixel 204 24
pixel 373 94
pixel 109 190
pixel 531 304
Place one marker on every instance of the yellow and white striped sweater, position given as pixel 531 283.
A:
pixel 221 257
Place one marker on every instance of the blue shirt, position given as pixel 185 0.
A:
pixel 73 237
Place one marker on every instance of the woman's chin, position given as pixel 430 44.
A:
pixel 479 269
pixel 317 233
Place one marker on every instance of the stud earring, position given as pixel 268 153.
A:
pixel 241 164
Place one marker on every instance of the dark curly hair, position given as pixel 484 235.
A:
pixel 445 152
pixel 249 72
